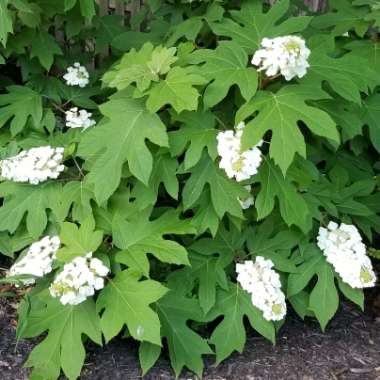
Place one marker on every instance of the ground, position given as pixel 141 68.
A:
pixel 349 349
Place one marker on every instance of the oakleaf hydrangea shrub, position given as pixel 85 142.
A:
pixel 186 173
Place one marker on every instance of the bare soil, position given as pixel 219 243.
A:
pixel 349 349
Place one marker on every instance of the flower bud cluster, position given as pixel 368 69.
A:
pixel 235 162
pixel 37 261
pixel 77 75
pixel 34 165
pixel 344 250
pixel 78 280
pixel 79 118
pixel 286 55
pixel 263 283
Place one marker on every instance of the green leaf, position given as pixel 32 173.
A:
pixel 224 192
pixel 139 236
pixel 30 200
pixel 324 298
pixel 354 295
pixel 87 9
pixel 148 355
pixel 20 104
pixel 6 24
pixel 225 66
pixel 197 132
pixel 341 18
pixel 63 346
pixel 371 116
pixel 78 241
pixel 177 90
pixel 164 171
pixel 251 24
pixel 77 196
pixel 293 208
pixel 141 67
pixel 44 48
pixel 345 75
pixel 119 139
pixel 186 347
pixel 126 301
pixel 281 113
pixel 230 334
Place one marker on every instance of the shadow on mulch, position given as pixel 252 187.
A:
pixel 350 349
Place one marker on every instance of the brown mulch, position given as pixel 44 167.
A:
pixel 349 349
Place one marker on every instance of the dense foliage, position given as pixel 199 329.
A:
pixel 144 208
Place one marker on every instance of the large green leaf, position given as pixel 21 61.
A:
pixel 345 75
pixel 281 113
pixel 186 347
pixel 126 301
pixel 20 104
pixel 121 138
pixel 63 346
pixel 324 298
pixel 225 66
pixel 251 24
pixel 44 47
pixel 197 132
pixel 139 236
pixel 341 18
pixel 177 89
pixel 230 334
pixel 141 67
pixel 78 241
pixel 30 200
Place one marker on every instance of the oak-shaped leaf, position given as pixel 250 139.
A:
pixel 63 346
pixel 139 236
pixel 281 113
pixel 20 105
pixel 34 201
pixel 225 66
pixel 230 335
pixel 251 24
pixel 119 139
pixel 126 301
pixel 186 347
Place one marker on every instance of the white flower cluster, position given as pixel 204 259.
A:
pixel 34 165
pixel 238 164
pixel 248 201
pixel 263 283
pixel 37 261
pixel 79 118
pixel 78 280
pixel 286 55
pixel 77 75
pixel 344 250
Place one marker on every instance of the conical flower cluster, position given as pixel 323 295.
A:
pixel 237 164
pixel 263 283
pixel 34 165
pixel 286 55
pixel 37 261
pixel 78 280
pixel 345 251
